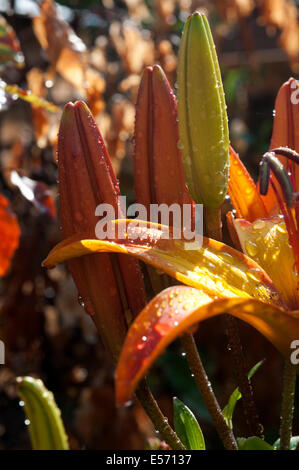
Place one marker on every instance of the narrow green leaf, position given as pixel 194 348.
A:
pixel 293 444
pixel 45 424
pixel 187 427
pixel 253 443
pixel 228 410
pixel 26 95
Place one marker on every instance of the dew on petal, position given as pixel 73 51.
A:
pixel 251 248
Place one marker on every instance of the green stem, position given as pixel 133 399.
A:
pixel 160 422
pixel 287 406
pixel 207 393
pixel 213 224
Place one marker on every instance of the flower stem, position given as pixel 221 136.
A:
pixel 244 384
pixel 287 406
pixel 160 422
pixel 207 393
pixel 214 230
pixel 213 224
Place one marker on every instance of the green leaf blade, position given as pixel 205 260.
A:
pixel 253 443
pixel 228 410
pixel 187 427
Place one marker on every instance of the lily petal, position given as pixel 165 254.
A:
pixel 243 192
pixel 266 241
pixel 215 268
pixel 10 234
pixel 174 311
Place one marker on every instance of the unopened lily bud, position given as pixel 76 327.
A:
pixel 203 124
pixel 286 116
pixel 285 134
pixel 108 285
pixel 159 173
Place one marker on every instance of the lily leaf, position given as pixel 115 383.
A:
pixel 45 424
pixel 187 427
pixel 253 443
pixel 228 410
pixel 26 95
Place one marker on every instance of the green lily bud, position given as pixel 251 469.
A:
pixel 203 124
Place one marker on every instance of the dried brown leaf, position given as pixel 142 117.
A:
pixel 66 51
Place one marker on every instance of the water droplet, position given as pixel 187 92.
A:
pixel 251 275
pixel 49 83
pixel 128 403
pixel 81 301
pixel 258 224
pixel 251 248
pixel 295 269
pixel 281 228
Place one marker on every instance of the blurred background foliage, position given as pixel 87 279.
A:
pixel 96 50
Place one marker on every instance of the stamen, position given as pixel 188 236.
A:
pixel 264 177
pixel 270 162
pixel 293 158
pixel 287 152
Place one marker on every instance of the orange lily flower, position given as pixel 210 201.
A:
pixel 260 231
pixel 218 279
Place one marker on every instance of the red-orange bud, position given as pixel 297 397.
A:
pixel 159 174
pixel 87 179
